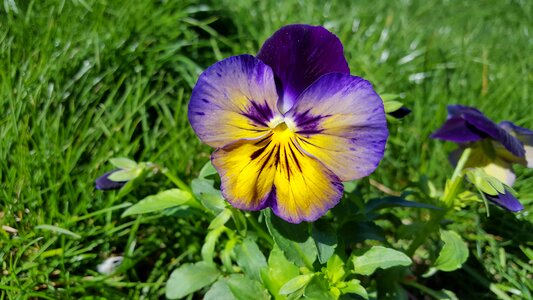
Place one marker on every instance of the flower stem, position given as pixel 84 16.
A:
pixel 448 199
pixel 178 182
pixel 424 289
pixel 260 230
pixel 453 185
pixel 461 164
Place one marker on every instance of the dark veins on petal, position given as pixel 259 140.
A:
pixel 275 155
pixel 260 113
pixel 308 123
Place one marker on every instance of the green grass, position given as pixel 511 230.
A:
pixel 81 82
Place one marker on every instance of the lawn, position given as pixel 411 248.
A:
pixel 82 82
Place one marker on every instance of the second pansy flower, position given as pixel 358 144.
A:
pixel 494 148
pixel 290 124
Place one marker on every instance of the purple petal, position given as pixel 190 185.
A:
pixel 457 130
pixel 233 99
pixel 340 120
pixel 507 201
pixel 467 124
pixel 400 113
pixel 104 183
pixel 299 55
pixel 525 136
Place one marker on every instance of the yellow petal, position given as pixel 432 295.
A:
pixel 274 171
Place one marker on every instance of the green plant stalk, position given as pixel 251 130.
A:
pixel 450 194
pixel 424 289
pixel 178 182
pixel 260 231
pixel 452 189
pixel 497 291
pixel 185 187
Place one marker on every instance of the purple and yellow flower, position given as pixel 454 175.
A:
pixel 290 124
pixel 494 147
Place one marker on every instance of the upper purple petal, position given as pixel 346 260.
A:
pixel 457 130
pixel 104 183
pixel 507 201
pixel 299 54
pixel 523 134
pixel 467 124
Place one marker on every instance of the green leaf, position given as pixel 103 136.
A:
pixel 335 269
pixel 295 284
pixel 123 163
pixel 379 257
pixel 454 252
pixel 325 239
pixel 210 197
pixel 207 170
pixel 388 97
pixel 59 230
pixel 158 202
pixel 318 288
pixel 220 219
pixel 357 232
pixel 219 291
pixel 388 284
pixel 241 224
pixel 125 175
pixel 485 182
pixel 293 239
pixel 392 106
pixel 354 287
pixel 189 278
pixel 134 183
pixel 227 252
pixel 350 186
pixel 496 184
pixel 208 248
pixel 385 202
pixel 244 288
pixel 279 271
pixel 236 287
pixel 250 258
pixel 446 295
pixel 527 251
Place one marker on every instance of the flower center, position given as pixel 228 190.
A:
pixel 280 123
pixel 281 127
pixel 282 132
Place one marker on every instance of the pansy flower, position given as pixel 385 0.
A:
pixel 494 148
pixel 289 125
pixel 104 183
pixel 127 170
